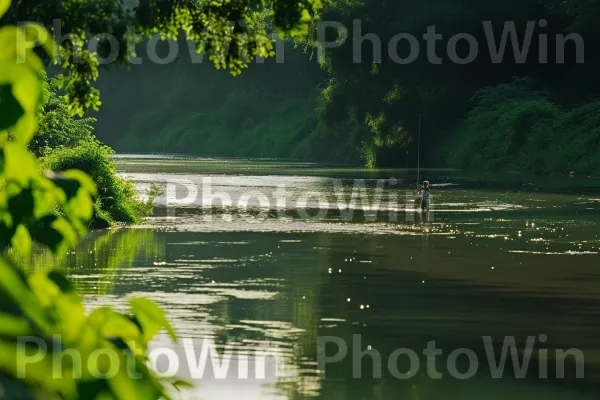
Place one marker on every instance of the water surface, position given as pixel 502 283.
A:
pixel 501 257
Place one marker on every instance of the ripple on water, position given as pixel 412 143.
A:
pixel 280 284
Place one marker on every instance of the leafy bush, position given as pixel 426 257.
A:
pixel 117 199
pixel 63 142
pixel 514 127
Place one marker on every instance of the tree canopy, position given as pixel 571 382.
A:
pixel 54 209
pixel 231 33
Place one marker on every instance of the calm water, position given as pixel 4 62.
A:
pixel 275 270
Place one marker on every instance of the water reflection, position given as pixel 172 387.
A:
pixel 281 292
pixel 98 259
pixel 495 262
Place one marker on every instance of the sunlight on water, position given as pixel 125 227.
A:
pixel 493 262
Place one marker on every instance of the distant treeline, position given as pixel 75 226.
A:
pixel 528 112
pixel 268 111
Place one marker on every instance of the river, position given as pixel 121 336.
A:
pixel 305 261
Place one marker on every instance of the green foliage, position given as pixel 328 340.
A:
pixel 389 96
pixel 117 199
pixel 514 127
pixel 227 132
pixel 518 89
pixel 582 14
pixel 343 143
pixel 57 127
pixel 44 306
pixel 369 155
pixel 65 142
pixel 226 31
pixel 28 198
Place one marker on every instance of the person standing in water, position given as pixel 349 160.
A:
pixel 425 199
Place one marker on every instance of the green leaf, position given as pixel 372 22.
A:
pixel 4 5
pixel 68 234
pixel 55 232
pixel 104 396
pixel 25 76
pixel 42 232
pixel 69 186
pixel 82 208
pixel 21 242
pixel 20 166
pixel 180 384
pixel 94 389
pixel 13 284
pixel 61 281
pixel 44 290
pixel 151 317
pixel 21 206
pixel 113 324
pixel 6 234
pixel 25 81
pixel 120 327
pixel 71 315
pixel 124 387
pixel 10 109
pixel 84 180
pixel 76 190
pixel 14 326
pixel 45 197
pixel 36 372
pixel 38 33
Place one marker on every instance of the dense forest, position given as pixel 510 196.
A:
pixel 534 110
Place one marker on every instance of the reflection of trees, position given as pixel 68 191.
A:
pixel 411 302
pixel 410 305
pixel 304 308
pixel 102 254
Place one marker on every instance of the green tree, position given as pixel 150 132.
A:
pixel 230 33
pixel 515 126
pixel 45 304
pixel 382 98
pixel 57 127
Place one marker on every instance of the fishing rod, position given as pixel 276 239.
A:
pixel 419 150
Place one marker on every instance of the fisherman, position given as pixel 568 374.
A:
pixel 425 200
